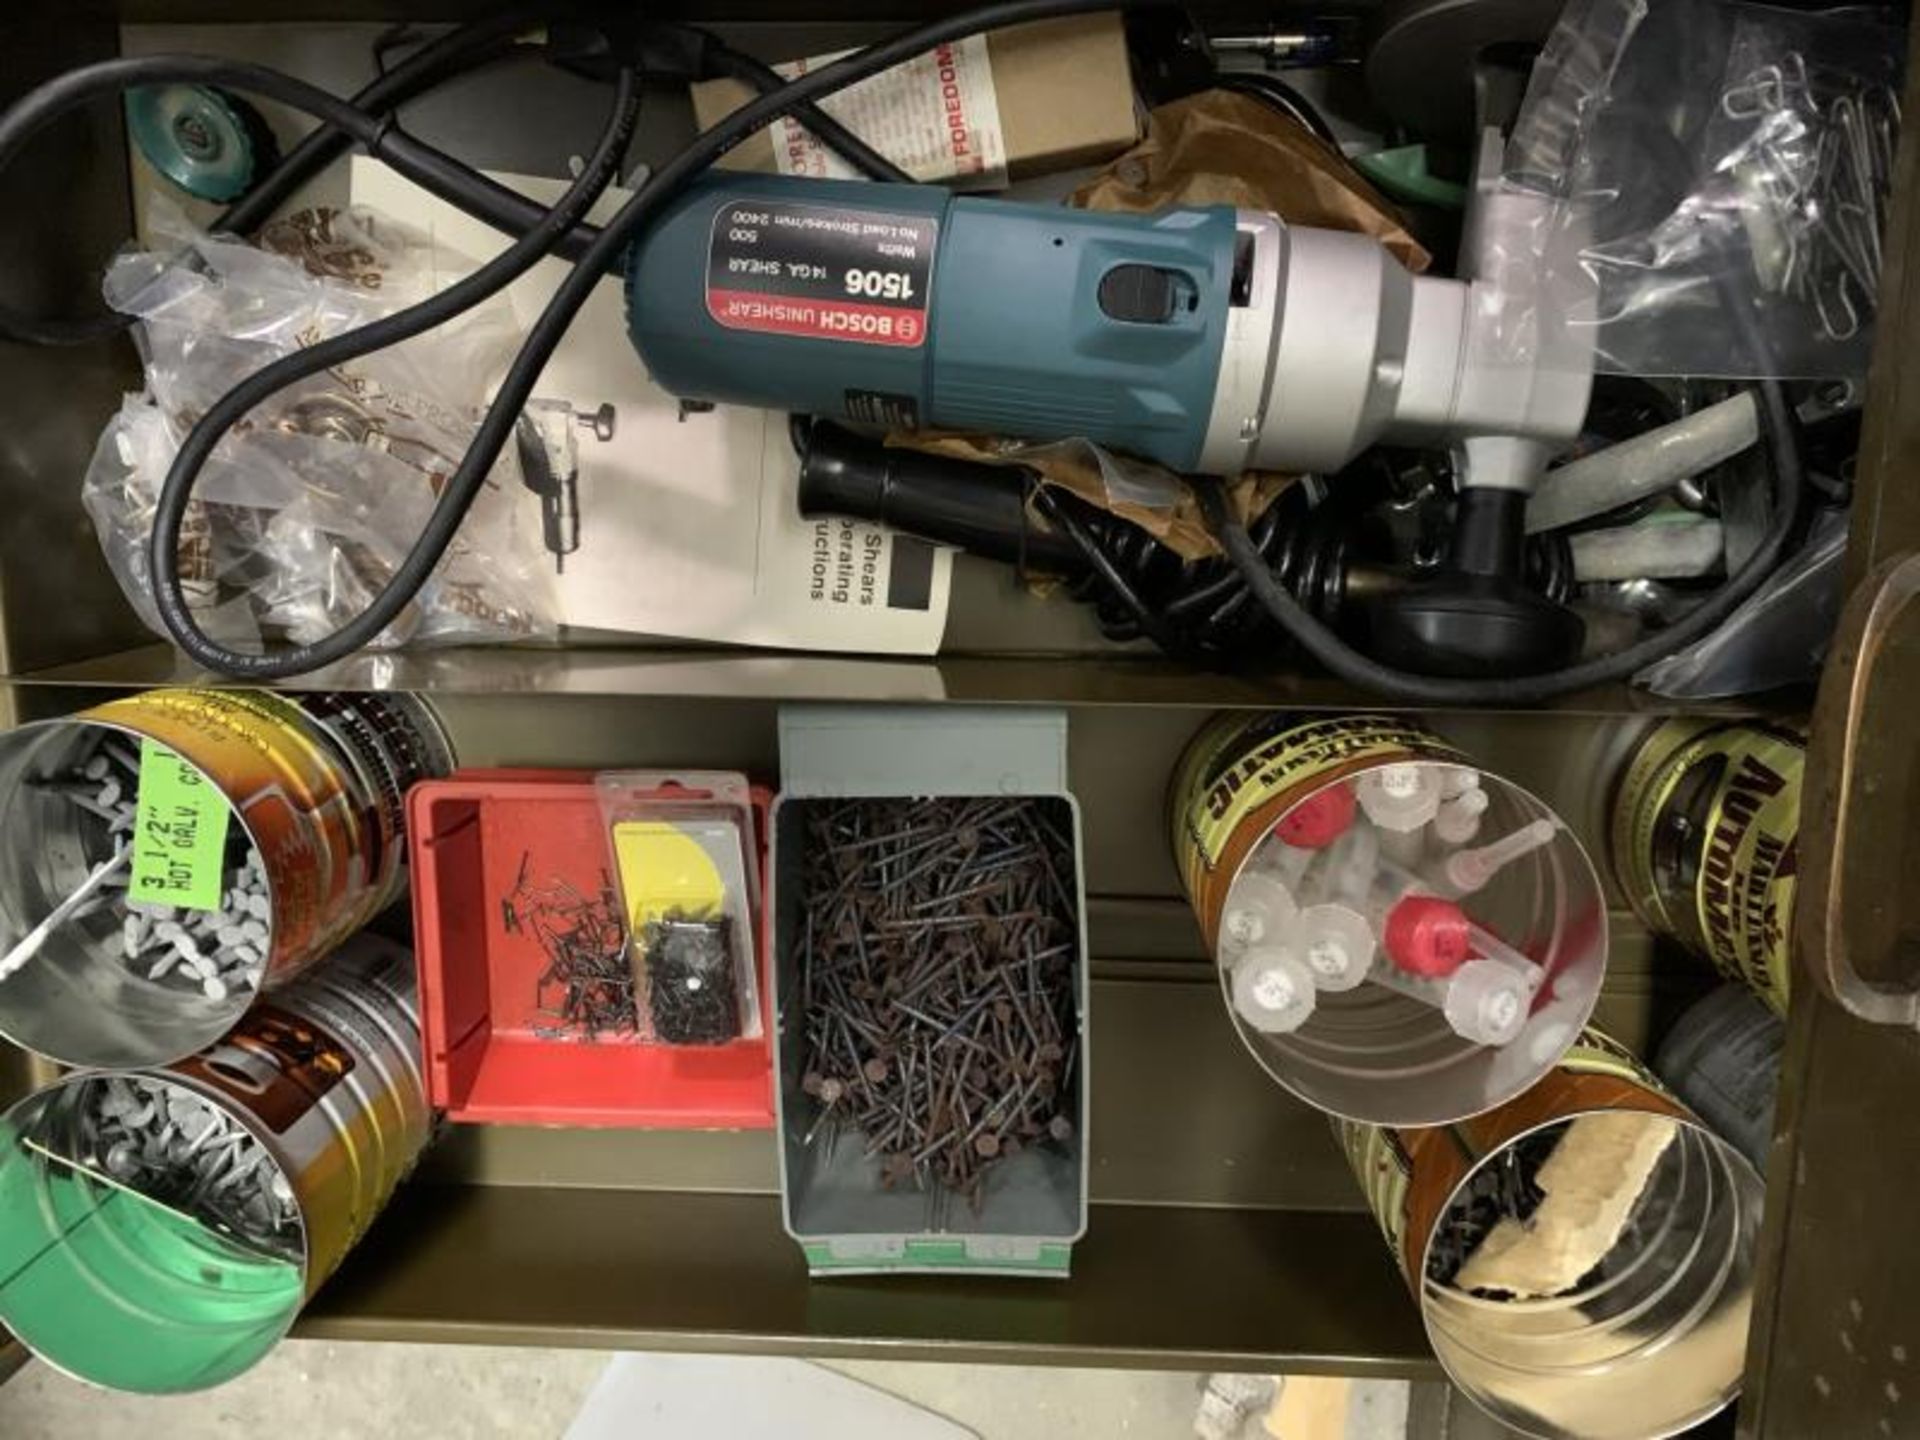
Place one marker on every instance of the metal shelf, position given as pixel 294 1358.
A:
pixel 1224 1231
pixel 1293 1290
pixel 641 671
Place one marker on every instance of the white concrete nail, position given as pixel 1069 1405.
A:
pixel 92 806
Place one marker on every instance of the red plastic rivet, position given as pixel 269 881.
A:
pixel 1318 820
pixel 1427 936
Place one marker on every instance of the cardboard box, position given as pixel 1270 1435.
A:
pixel 1062 89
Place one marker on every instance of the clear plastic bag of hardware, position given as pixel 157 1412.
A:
pixel 307 507
pixel 1778 637
pixel 1716 157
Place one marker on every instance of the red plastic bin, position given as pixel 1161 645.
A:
pixel 468 836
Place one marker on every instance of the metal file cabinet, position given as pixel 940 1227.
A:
pixel 1225 1231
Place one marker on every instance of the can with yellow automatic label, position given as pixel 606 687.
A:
pixel 1704 834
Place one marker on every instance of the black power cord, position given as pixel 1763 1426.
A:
pixel 546 231
pixel 458 52
pixel 1790 487
pixel 461 51
pixel 829 131
pixel 1272 91
pixel 432 169
pixel 519 257
pixel 678 52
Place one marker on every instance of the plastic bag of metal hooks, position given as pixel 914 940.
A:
pixel 1709 153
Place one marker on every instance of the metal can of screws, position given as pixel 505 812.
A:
pixel 1583 1255
pixel 1705 838
pixel 1403 938
pixel 161 1229
pixel 308 793
pixel 1722 1056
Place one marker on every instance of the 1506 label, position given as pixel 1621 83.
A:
pixel 823 272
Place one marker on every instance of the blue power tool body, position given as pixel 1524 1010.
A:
pixel 906 305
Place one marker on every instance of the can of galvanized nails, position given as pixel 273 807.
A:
pixel 1583 1256
pixel 302 799
pixel 1319 853
pixel 160 1229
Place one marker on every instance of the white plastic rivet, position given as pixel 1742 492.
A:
pixel 1274 989
pixel 1400 781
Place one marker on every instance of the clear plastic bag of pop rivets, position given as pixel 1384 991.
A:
pixel 682 849
pixel 305 510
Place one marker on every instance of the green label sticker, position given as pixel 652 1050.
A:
pixel 179 834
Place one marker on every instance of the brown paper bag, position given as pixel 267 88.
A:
pixel 1224 148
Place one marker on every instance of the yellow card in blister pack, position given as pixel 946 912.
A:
pixel 665 870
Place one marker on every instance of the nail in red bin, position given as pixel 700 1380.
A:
pixel 1319 820
pixel 1427 936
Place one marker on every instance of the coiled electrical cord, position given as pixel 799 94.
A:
pixel 1136 586
pixel 1204 609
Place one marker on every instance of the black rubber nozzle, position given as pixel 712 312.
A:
pixel 1479 619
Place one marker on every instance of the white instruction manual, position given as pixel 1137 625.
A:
pixel 678 526
pixel 936 116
